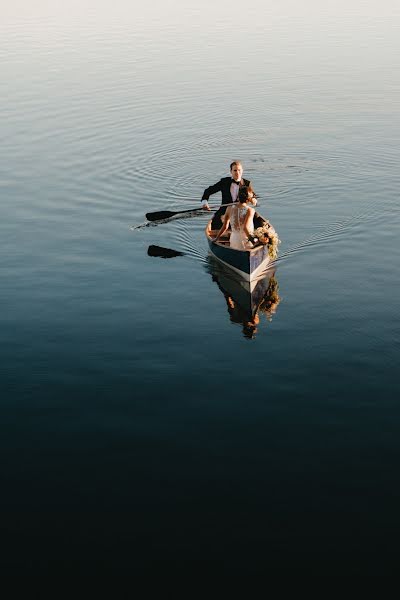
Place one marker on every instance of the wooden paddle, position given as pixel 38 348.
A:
pixel 167 214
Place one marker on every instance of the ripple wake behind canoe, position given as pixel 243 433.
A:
pixel 334 230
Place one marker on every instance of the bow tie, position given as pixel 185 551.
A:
pixel 237 182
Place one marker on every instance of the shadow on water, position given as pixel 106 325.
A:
pixel 161 252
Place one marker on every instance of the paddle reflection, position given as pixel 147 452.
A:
pixel 246 301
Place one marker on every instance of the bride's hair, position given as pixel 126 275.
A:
pixel 244 193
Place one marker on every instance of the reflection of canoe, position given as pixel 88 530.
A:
pixel 246 295
pixel 246 300
pixel 249 264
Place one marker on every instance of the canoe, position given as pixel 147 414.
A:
pixel 248 264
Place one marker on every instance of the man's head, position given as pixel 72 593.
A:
pixel 236 170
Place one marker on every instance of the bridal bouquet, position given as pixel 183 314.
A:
pixel 267 236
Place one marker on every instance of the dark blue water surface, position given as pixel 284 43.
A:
pixel 146 420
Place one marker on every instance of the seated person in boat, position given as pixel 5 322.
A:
pixel 240 217
pixel 229 188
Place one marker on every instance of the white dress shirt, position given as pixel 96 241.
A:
pixel 234 191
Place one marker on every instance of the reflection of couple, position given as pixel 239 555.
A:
pixel 237 315
pixel 245 308
pixel 236 193
pixel 268 306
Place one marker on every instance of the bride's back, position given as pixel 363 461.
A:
pixel 238 216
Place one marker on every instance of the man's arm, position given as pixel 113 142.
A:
pixel 213 189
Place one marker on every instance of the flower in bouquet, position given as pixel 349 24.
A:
pixel 267 236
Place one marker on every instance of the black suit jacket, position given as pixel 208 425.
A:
pixel 223 186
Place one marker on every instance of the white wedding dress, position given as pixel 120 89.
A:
pixel 238 239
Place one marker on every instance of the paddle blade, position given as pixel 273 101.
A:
pixel 160 215
pixel 161 252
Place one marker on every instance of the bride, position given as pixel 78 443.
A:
pixel 240 216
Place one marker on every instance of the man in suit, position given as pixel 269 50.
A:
pixel 229 188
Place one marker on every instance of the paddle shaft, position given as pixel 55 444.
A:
pixel 168 214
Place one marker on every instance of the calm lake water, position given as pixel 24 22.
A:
pixel 144 422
